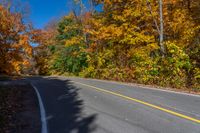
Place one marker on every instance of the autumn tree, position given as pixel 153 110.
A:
pixel 122 42
pixel 15 50
pixel 44 39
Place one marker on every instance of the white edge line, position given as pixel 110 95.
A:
pixel 140 86
pixel 146 87
pixel 42 111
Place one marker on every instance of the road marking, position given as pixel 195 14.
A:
pixel 142 102
pixel 141 86
pixel 42 111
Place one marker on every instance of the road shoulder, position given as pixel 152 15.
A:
pixel 19 109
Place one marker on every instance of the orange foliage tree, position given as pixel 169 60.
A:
pixel 45 39
pixel 15 48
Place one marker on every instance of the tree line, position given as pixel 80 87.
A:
pixel 122 41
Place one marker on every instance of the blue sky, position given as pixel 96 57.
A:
pixel 42 11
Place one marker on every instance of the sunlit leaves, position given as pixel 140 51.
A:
pixel 122 42
pixel 15 50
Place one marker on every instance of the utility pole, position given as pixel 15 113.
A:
pixel 162 47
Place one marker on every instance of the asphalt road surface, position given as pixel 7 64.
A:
pixel 75 105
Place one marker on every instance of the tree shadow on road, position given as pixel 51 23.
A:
pixel 64 108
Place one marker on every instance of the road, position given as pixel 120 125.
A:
pixel 75 105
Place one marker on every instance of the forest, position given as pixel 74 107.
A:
pixel 154 42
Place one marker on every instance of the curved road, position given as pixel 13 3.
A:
pixel 75 105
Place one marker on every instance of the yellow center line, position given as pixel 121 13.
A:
pixel 142 102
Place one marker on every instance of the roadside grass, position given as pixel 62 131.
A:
pixel 196 89
pixel 9 78
pixel 4 78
